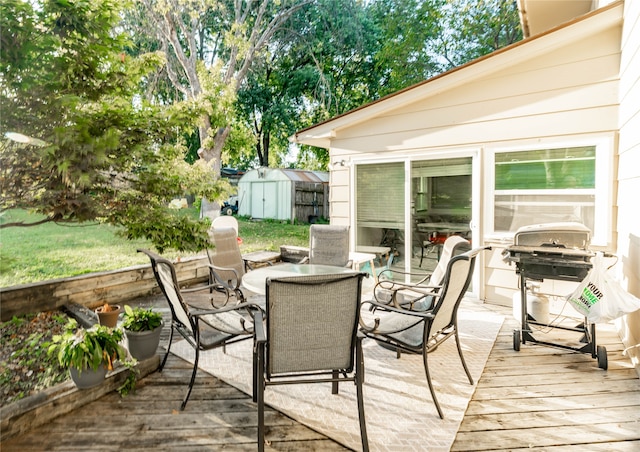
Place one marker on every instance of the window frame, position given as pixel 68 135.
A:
pixel 601 236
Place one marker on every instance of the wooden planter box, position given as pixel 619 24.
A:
pixel 40 408
pixel 90 290
pixel 94 289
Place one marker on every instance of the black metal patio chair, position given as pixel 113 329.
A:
pixel 226 266
pixel 311 336
pixel 419 293
pixel 203 327
pixel 406 329
pixel 328 245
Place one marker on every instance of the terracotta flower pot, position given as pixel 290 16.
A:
pixel 109 318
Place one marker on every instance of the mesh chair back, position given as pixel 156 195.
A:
pixel 227 253
pixel 451 245
pixel 165 274
pixel 224 223
pixel 312 322
pixel 329 245
pixel 457 280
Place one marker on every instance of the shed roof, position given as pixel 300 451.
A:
pixel 294 175
pixel 306 176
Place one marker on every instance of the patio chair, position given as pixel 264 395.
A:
pixel 328 245
pixel 226 266
pixel 426 243
pixel 310 337
pixel 418 293
pixel 225 222
pixel 401 328
pixel 193 318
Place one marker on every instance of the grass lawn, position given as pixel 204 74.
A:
pixel 50 251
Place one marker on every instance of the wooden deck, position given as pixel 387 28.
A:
pixel 539 397
pixel 543 397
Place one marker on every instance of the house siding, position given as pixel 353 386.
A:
pixel 628 220
pixel 581 80
pixel 571 90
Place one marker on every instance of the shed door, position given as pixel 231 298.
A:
pixel 264 200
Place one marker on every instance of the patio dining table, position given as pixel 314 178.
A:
pixel 255 280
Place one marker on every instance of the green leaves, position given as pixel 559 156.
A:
pixel 140 319
pixel 111 153
pixel 88 349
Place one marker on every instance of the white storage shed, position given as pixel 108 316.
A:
pixel 284 194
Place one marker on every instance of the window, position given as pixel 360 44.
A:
pixel 380 206
pixel 380 194
pixel 553 184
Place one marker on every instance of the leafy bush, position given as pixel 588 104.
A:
pixel 140 319
pixel 88 349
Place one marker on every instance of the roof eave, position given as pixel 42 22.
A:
pixel 323 133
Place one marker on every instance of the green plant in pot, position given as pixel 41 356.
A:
pixel 142 328
pixel 89 353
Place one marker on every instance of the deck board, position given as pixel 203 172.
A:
pixel 559 400
pixel 217 417
pixel 539 397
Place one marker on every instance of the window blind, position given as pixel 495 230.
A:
pixel 380 192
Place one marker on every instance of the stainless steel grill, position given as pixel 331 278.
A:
pixel 553 251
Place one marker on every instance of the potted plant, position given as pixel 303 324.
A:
pixel 142 328
pixel 89 353
pixel 108 314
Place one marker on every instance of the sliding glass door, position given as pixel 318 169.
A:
pixel 408 208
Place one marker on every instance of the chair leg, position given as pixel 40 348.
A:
pixel 256 368
pixel 464 364
pixel 259 396
pixel 359 380
pixel 166 355
pixel 334 384
pixel 193 379
pixel 433 392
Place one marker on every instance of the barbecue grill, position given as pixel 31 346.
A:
pixel 557 251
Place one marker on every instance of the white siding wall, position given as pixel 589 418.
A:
pixel 629 172
pixel 568 91
pixel 339 194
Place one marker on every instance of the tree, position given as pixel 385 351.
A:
pixel 470 29
pixel 316 66
pixel 376 48
pixel 103 152
pixel 210 47
pixel 404 54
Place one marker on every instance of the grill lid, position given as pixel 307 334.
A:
pixel 571 235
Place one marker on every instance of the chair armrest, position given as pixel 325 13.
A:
pixel 376 307
pixel 258 326
pixel 199 312
pixel 397 291
pixel 241 329
pixel 399 309
pixel 229 284
pixel 199 288
pixel 304 260
pixel 423 276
